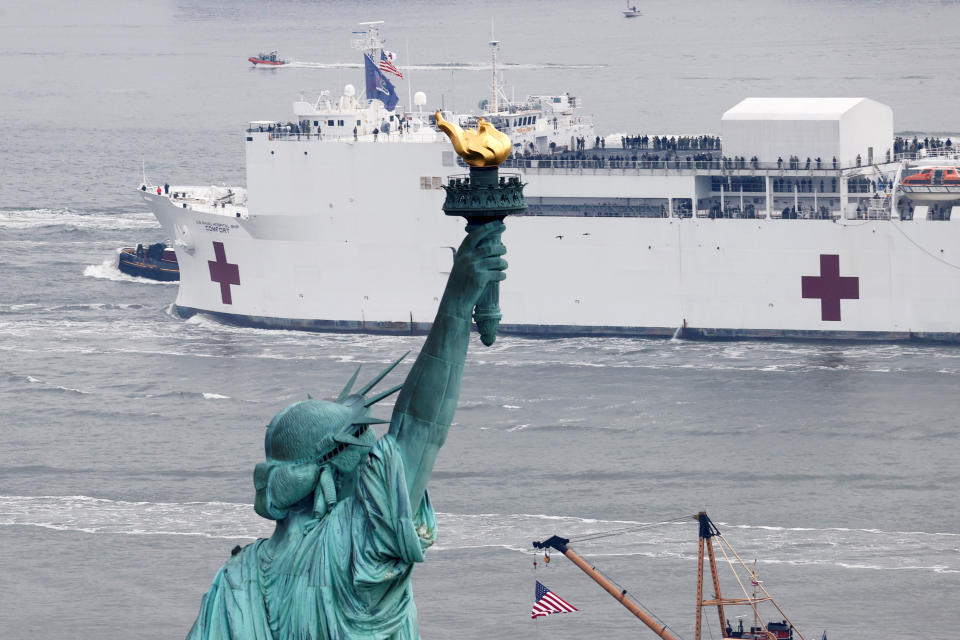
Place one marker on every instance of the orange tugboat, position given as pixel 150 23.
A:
pixel 782 630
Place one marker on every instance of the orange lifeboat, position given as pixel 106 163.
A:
pixel 934 184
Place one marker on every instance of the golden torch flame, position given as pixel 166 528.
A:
pixel 485 147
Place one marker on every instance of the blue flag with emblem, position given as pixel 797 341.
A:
pixel 378 87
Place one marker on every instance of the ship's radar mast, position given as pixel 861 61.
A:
pixel 495 107
pixel 368 40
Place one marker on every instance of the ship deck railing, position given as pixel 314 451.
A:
pixel 926 188
pixel 951 153
pixel 427 134
pixel 609 161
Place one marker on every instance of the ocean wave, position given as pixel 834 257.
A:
pixel 54 387
pixel 765 357
pixel 845 548
pixel 74 219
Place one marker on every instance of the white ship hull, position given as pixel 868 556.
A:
pixel 346 236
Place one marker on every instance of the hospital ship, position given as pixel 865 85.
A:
pixel 807 223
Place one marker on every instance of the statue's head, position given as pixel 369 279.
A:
pixel 313 448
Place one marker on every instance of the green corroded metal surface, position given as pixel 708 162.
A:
pixel 352 512
pixel 485 197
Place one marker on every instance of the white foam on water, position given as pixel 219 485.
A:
pixel 41 218
pixel 107 270
pixel 18 307
pixel 215 396
pixel 854 549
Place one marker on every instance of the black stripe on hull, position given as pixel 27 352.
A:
pixel 575 331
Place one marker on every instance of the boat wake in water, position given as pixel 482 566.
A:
pixel 107 270
pixel 447 66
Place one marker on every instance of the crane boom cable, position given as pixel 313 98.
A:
pixel 762 588
pixel 753 576
pixel 617 532
pixel 635 599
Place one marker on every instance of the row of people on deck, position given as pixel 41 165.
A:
pixel 906 145
pixel 672 143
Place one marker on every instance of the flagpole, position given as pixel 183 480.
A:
pixel 409 80
pixel 536 621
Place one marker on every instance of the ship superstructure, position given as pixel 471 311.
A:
pixel 804 224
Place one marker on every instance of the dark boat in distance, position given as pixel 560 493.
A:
pixel 271 59
pixel 157 262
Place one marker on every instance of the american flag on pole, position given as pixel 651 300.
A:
pixel 547 602
pixel 386 63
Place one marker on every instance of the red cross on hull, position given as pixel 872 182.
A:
pixel 223 272
pixel 830 288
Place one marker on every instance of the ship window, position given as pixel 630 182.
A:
pixel 358 123
pixel 424 182
pixel 329 123
pixel 534 119
pixel 339 123
pixel 391 118
pixel 556 101
pixel 316 123
pixel 437 182
pixel 249 139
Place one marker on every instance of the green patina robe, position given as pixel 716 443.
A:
pixel 346 577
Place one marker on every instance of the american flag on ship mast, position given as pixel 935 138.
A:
pixel 386 63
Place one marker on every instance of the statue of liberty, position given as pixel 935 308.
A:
pixel 352 511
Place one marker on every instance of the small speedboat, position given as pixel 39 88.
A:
pixel 631 12
pixel 157 262
pixel 271 59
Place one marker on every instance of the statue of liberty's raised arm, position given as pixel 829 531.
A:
pixel 352 512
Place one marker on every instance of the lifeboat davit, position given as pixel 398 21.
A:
pixel 271 59
pixel 934 184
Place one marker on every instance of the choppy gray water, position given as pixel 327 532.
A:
pixel 129 436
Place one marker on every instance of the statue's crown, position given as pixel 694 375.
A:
pixel 318 430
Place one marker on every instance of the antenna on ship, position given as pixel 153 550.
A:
pixel 493 63
pixel 409 79
pixel 368 40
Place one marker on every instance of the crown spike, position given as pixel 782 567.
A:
pixel 383 394
pixel 346 390
pixel 380 376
